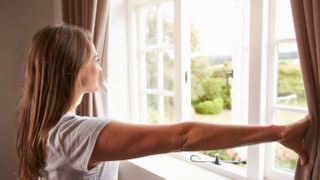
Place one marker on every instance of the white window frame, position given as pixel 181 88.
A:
pixel 182 45
pixel 137 68
pixel 182 87
pixel 255 153
pixel 271 104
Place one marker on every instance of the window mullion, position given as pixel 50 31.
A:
pixel 255 159
pixel 271 90
pixel 279 41
pixel 157 47
pixel 182 60
pixel 141 69
pixel 160 66
pixel 160 87
pixel 133 34
pixel 292 109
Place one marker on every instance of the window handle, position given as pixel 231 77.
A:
pixel 216 160
pixel 186 77
pixel 229 75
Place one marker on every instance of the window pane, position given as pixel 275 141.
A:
pixel 169 109
pixel 213 35
pixel 210 93
pixel 149 18
pixel 168 70
pixel 214 23
pixel 152 102
pixel 286 159
pixel 151 65
pixel 167 22
pixel 290 83
pixel 284 22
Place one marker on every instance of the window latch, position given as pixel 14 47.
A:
pixel 186 77
pixel 229 76
pixel 216 160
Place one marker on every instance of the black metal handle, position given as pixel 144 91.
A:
pixel 216 160
pixel 229 75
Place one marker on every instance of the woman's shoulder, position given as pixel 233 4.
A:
pixel 72 120
pixel 74 127
pixel 72 139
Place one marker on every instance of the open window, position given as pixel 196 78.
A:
pixel 203 60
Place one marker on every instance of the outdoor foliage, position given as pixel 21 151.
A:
pixel 210 107
pixel 290 80
pixel 209 86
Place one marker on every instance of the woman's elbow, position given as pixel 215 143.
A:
pixel 183 134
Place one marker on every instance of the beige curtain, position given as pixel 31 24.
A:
pixel 306 15
pixel 92 15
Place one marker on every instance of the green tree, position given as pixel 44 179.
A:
pixel 151 26
pixel 209 83
pixel 194 39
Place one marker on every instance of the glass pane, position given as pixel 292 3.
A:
pixel 169 109
pixel 149 18
pixel 151 65
pixel 168 70
pixel 284 21
pixel 167 22
pixel 210 93
pixel 286 159
pixel 152 102
pixel 213 26
pixel 290 83
pixel 213 37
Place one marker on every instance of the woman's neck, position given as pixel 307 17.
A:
pixel 73 108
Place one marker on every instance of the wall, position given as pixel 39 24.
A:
pixel 19 21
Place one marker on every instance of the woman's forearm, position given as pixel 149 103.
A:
pixel 201 136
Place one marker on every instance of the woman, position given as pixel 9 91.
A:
pixel 54 143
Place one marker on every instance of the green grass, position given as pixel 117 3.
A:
pixel 222 118
pixel 286 117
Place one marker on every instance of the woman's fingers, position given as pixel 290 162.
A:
pixel 294 136
pixel 303 157
pixel 301 152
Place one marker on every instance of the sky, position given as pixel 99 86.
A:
pixel 216 21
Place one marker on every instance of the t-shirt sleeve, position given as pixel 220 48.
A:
pixel 77 138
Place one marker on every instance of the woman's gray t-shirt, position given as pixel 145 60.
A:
pixel 69 147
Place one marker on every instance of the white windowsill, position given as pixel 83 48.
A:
pixel 164 166
pixel 227 170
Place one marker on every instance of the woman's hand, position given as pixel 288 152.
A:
pixel 293 137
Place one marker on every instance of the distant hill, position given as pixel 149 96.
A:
pixel 215 60
pixel 218 60
pixel 289 55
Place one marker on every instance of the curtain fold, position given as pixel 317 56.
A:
pixel 92 15
pixel 306 16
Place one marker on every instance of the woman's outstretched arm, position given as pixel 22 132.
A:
pixel 118 141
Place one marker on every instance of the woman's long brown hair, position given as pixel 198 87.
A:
pixel 51 76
